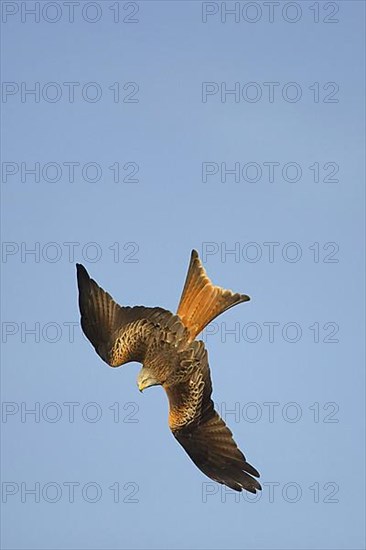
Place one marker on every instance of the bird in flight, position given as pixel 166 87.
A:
pixel 171 357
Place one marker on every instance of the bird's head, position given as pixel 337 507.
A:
pixel 146 379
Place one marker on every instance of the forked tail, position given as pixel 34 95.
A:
pixel 201 301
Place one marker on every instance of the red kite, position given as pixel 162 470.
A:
pixel 171 357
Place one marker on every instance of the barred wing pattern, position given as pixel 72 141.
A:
pixel 202 432
pixel 108 325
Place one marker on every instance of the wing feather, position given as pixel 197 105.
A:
pixel 104 321
pixel 202 432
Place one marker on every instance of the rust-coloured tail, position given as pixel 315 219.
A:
pixel 202 301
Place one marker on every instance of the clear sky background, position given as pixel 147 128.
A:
pixel 296 395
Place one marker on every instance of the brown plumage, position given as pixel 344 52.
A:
pixel 165 344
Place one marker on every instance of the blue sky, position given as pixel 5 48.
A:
pixel 131 170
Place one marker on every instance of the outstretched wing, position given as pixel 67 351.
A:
pixel 202 432
pixel 106 324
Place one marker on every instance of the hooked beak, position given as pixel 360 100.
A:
pixel 145 379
